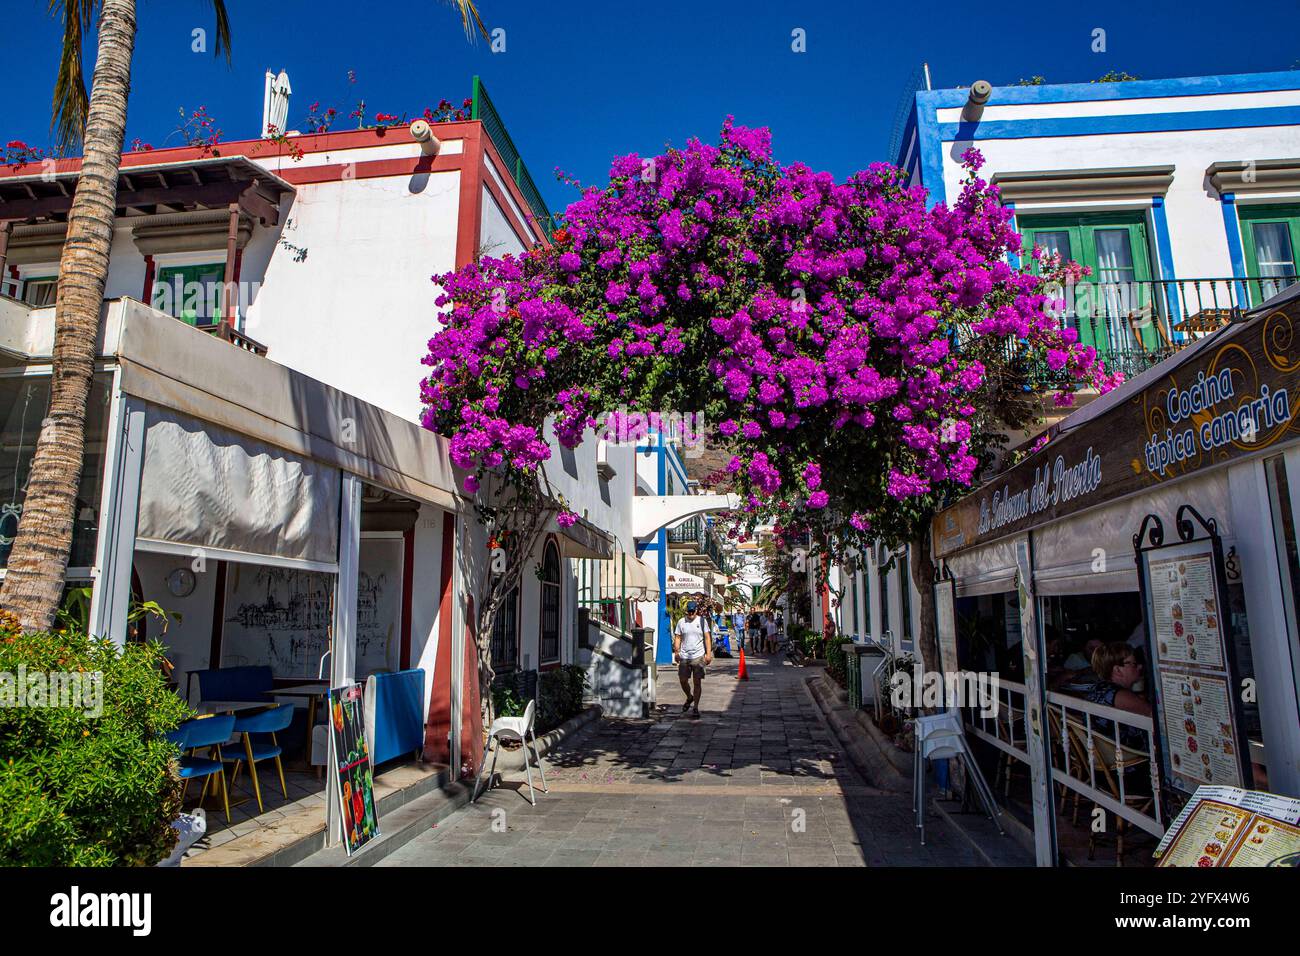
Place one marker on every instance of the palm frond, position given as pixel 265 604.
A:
pixel 223 29
pixel 469 18
pixel 71 102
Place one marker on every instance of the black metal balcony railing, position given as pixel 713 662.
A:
pixel 695 534
pixel 689 532
pixel 1134 325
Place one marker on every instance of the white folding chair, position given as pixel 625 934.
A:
pixel 514 728
pixel 942 737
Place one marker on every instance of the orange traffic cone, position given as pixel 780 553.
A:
pixel 742 674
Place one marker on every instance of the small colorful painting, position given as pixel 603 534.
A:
pixel 352 760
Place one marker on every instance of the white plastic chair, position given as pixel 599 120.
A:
pixel 514 728
pixel 942 737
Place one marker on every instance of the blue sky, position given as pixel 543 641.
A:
pixel 581 82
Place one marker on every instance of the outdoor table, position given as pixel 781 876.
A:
pixel 313 691
pixel 208 707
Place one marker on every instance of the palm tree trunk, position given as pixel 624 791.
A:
pixel 34 579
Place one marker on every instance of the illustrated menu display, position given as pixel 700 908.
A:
pixel 1187 626
pixel 1227 826
pixel 1199 729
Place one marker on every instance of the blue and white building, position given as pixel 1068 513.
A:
pixel 1181 195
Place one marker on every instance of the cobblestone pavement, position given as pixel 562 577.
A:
pixel 758 779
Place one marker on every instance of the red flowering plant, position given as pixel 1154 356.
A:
pixel 19 154
pixel 858 353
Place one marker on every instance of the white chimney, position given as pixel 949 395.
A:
pixel 275 104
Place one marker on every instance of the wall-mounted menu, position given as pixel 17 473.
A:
pixel 1198 723
pixel 1188 616
pixel 1186 620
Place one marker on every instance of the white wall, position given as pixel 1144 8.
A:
pixel 1197 236
pixel 425 594
pixel 358 311
pixel 189 640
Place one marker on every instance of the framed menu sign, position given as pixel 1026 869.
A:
pixel 1197 709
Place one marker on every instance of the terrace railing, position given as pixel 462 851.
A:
pixel 1134 325
pixel 1104 755
pixel 487 114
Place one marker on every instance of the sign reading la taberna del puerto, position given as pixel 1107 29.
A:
pixel 1231 398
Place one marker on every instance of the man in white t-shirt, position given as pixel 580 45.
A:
pixel 693 651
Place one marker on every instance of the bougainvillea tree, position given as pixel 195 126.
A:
pixel 859 354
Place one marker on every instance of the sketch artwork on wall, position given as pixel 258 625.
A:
pixel 282 616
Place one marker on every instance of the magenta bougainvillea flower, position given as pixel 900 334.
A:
pixel 849 345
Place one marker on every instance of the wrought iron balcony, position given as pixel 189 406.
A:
pixel 1135 325
pixel 690 534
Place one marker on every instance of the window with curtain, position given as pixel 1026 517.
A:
pixel 1270 237
pixel 1274 255
pixel 505 633
pixel 1115 269
pixel 1114 246
pixel 550 636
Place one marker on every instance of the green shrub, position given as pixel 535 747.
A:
pixel 810 642
pixel 506 701
pixel 84 790
pixel 559 695
pixel 836 664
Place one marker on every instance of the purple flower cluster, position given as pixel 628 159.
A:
pixel 800 313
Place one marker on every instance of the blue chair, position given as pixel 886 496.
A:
pixel 262 723
pixel 235 683
pixel 196 735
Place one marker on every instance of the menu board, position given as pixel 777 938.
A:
pixel 1197 713
pixel 1185 598
pixel 946 626
pixel 1198 723
pixel 1227 826
pixel 354 778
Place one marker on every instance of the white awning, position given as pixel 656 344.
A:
pixel 208 488
pixel 683 582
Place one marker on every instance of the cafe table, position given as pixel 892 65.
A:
pixel 313 691
pixel 210 707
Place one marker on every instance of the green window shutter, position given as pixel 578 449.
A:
pixel 1115 247
pixel 192 294
pixel 1270 238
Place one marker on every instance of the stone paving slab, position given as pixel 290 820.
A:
pixel 757 780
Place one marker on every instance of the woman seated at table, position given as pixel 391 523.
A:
pixel 1118 669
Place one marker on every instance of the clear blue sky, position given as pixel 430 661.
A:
pixel 581 82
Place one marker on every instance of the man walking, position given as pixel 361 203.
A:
pixel 693 651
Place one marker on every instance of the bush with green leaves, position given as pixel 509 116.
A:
pixel 506 701
pixel 78 789
pixel 559 695
pixel 836 662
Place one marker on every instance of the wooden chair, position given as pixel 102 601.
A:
pixel 1148 315
pixel 1110 762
